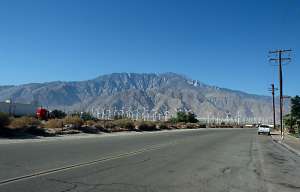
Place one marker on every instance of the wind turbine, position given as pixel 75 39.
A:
pixel 166 115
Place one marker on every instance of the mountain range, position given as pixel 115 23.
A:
pixel 156 92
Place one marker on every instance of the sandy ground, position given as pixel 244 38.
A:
pixel 289 142
pixel 4 141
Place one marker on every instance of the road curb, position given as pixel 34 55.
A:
pixel 287 146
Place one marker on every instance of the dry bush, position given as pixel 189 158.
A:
pixel 54 123
pixel 24 122
pixel 147 126
pixel 164 125
pixel 105 126
pixel 90 123
pixel 192 125
pixel 99 125
pixel 115 126
pixel 109 125
pixel 89 129
pixel 124 123
pixel 181 125
pixel 75 121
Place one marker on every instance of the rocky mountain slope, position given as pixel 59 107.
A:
pixel 159 92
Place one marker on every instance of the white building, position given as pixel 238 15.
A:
pixel 18 109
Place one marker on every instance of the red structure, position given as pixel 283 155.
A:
pixel 42 113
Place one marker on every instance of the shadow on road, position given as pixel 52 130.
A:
pixel 24 133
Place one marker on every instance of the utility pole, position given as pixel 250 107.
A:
pixel 238 118
pixel 273 89
pixel 280 61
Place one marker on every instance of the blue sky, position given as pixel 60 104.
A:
pixel 219 42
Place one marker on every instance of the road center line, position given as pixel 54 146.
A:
pixel 73 166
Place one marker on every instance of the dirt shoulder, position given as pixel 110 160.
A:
pixel 290 142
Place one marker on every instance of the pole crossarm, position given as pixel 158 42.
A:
pixel 280 50
pixel 282 59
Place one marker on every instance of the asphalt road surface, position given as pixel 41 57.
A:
pixel 190 160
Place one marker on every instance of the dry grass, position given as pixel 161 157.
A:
pixel 125 124
pixel 75 121
pixel 54 123
pixel 90 123
pixel 24 122
pixel 165 125
pixel 192 125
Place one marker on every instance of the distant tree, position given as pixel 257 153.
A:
pixel 295 107
pixel 192 118
pixel 184 117
pixel 75 114
pixel 86 116
pixel 57 114
pixel 290 121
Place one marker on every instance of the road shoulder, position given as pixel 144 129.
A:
pixel 289 142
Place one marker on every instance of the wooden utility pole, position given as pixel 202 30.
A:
pixel 273 102
pixel 280 61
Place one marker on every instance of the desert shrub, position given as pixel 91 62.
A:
pixel 36 131
pixel 192 125
pixel 57 114
pixel 24 122
pixel 164 126
pixel 54 123
pixel 181 125
pixel 99 125
pixel 105 126
pixel 171 125
pixel 124 123
pixel 89 129
pixel 4 120
pixel 87 116
pixel 75 121
pixel 77 114
pixel 109 125
pixel 147 126
pixel 90 123
pixel 184 117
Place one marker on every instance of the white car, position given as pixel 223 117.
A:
pixel 264 129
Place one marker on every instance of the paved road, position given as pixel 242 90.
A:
pixel 192 160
